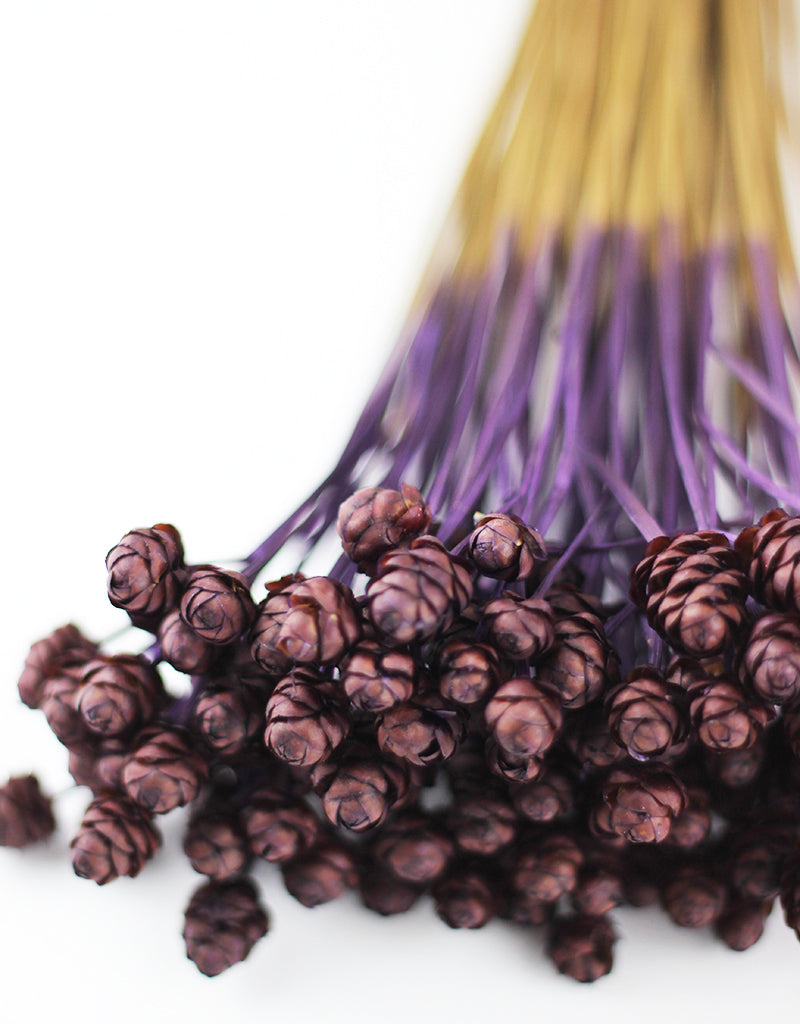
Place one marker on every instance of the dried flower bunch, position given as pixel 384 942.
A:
pixel 610 716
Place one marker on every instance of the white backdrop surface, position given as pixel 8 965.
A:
pixel 212 219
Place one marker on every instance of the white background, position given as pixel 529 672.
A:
pixel 212 219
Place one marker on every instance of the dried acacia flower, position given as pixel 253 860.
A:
pixel 524 717
pixel 322 875
pixel 376 678
pixel 642 802
pixel 115 838
pixel 771 660
pixel 26 813
pixel 164 771
pixel 118 693
pixel 305 720
pixel 217 604
pixel 64 648
pixel 645 713
pixel 224 920
pixel 145 571
pixel 503 547
pixel 422 731
pixel 581 947
pixel 376 519
pixel 521 628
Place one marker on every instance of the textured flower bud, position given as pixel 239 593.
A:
pixel 322 875
pixel 182 647
pixel 224 920
pixel 741 924
pixel 512 769
pixel 26 814
pixel 581 947
pixel 771 661
pixel 692 826
pixel 306 721
pixel 581 665
pixel 589 738
pixel 520 628
pixel 217 604
pixel 118 693
pixel 376 519
pixel 737 768
pixel 643 802
pixel 465 899
pixel 418 591
pixel 524 717
pixel 482 824
pixel 266 632
pixel 359 792
pixel 228 718
pixel 145 571
pixel 375 679
pixel 384 893
pixel 64 648
pixel 467 671
pixel 322 622
pixel 757 860
pixel 216 845
pixel 164 771
pixel 685 673
pixel 279 828
pixel 693 898
pixel 115 838
pixel 599 888
pixel 645 713
pixel 413 847
pixel 566 600
pixel 771 553
pixel 58 707
pixel 723 717
pixel 547 869
pixel 546 799
pixel 422 731
pixel 503 547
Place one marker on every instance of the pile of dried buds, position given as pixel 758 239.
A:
pixel 461 729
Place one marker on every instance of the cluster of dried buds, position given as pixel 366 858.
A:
pixel 462 728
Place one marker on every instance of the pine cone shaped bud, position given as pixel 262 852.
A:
pixel 145 571
pixel 482 824
pixel 601 826
pixel 376 678
pixel 723 718
pixel 589 739
pixel 737 768
pixel 418 591
pixel 757 861
pixel 503 547
pixel 599 888
pixel 384 893
pixel 771 553
pixel 306 721
pixel 582 947
pixel 566 600
pixel 224 920
pixel 695 592
pixel 547 869
pixel 182 648
pixel 64 648
pixel 216 845
pixel 521 628
pixel 642 803
pixel 26 813
pixel 771 661
pixel 524 717
pixel 414 847
pixel 646 714
pixel 115 838
pixel 549 798
pixel 228 718
pixel 164 771
pixel 581 665
pixel 322 875
pixel 693 898
pixel 467 671
pixel 58 706
pixel 741 924
pixel 118 693
pixel 686 673
pixel 217 604
pixel 512 769
pixel 358 793
pixel 278 828
pixel 376 519
pixel 98 763
pixel 465 899
pixel 692 826
pixel 270 616
pixel 422 731
pixel 322 622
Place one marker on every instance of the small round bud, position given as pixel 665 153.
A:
pixel 217 605
pixel 503 547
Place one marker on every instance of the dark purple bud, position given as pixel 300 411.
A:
pixel 524 717
pixel 521 628
pixel 359 792
pixel 58 707
pixel 279 829
pixel 741 924
pixel 548 798
pixel 503 547
pixel 599 888
pixel 581 665
pixel 227 719
pixel 692 897
pixel 646 713
pixel 512 769
pixel 582 947
pixel 322 875
pixel 118 694
pixel 145 572
pixel 375 679
pixel 217 605
pixel 216 845
pixel 26 813
pixel 468 671
pixel 266 632
pixel 306 720
pixel 64 648
pixel 482 824
pixel 376 519
pixel 771 554
pixel 422 731
pixel 547 868
pixel 465 899
pixel 164 771
pixel 116 838
pixel 322 622
pixel 224 920
pixel 642 802
pixel 414 847
pixel 692 826
pixel 723 717
pixel 589 738
pixel 182 647
pixel 771 661
pixel 385 894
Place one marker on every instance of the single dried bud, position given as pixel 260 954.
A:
pixel 771 661
pixel 26 813
pixel 216 844
pixel 771 553
pixel 58 707
pixel 224 920
pixel 482 824
pixel 98 764
pixel 692 826
pixel 685 673
pixel 145 572
pixel 278 828
pixel 322 622
pixel 643 802
pixel 115 838
pixel 422 731
pixel 757 861
pixel 546 799
pixel 217 604
pixel 589 738
pixel 164 771
pixel 693 898
pixel 227 718
pixel 414 847
pixel 723 718
pixel 384 893
pixel 376 519
pixel 581 947
pixel 599 888
pixel 182 647
pixel 601 826
pixel 528 912
pixel 64 648
pixel 547 869
pixel 465 899
pixel 271 614
pixel 524 717
pixel 323 875
pixel 503 547
pixel 417 591
pixel 645 713
pixel 640 877
pixel 118 693
pixel 512 769
pixel 741 924
pixel 521 628
pixel 467 671
pixel 306 721
pixel 358 793
pixel 737 768
pixel 375 679
pixel 694 591
pixel 581 665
